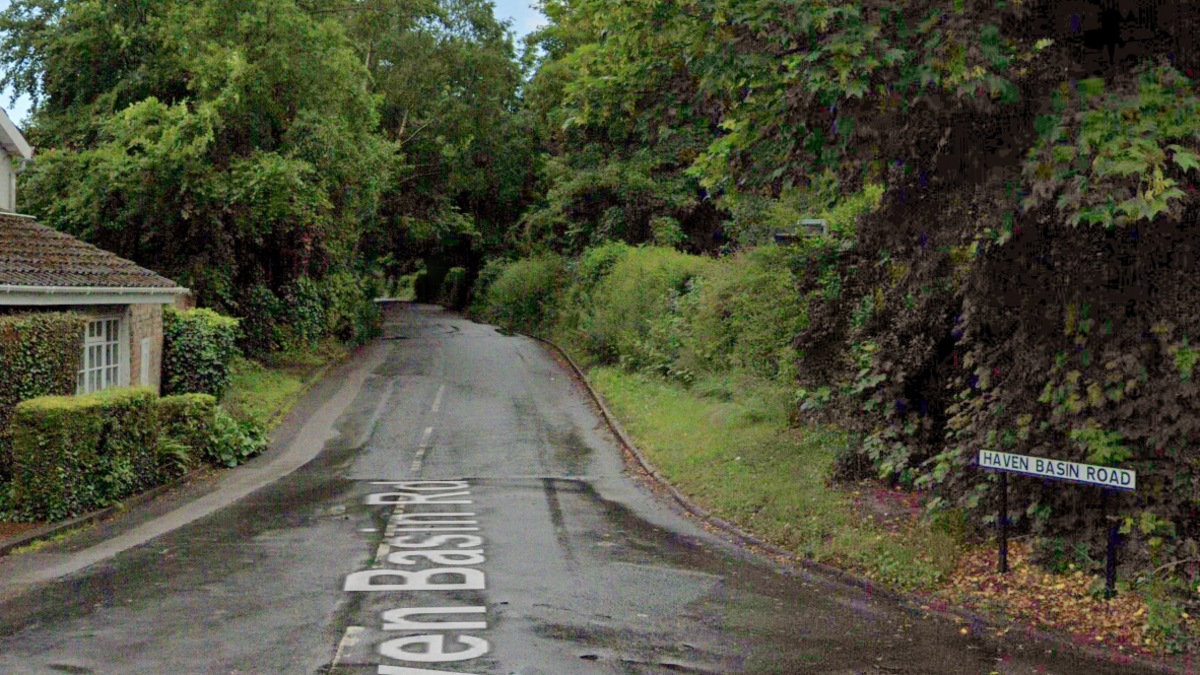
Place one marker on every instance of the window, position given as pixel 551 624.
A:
pixel 101 356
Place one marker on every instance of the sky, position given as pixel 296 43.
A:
pixel 524 20
pixel 524 17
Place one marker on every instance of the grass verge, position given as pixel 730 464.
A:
pixel 263 392
pixel 722 445
pixel 755 472
pixel 52 539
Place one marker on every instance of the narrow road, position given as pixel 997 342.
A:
pixel 466 513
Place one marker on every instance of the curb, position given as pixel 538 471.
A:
pixel 907 601
pixel 52 529
pixel 48 531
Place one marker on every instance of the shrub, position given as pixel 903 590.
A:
pixel 73 454
pixel 351 314
pixel 745 313
pixel 641 286
pixel 197 422
pixel 259 336
pixel 525 295
pixel 41 354
pixel 233 442
pixel 488 273
pixel 453 293
pixel 198 345
pixel 185 420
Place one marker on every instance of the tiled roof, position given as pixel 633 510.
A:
pixel 32 254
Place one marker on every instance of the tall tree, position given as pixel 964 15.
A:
pixel 228 143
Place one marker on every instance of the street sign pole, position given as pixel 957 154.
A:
pixel 1002 521
pixel 1110 567
pixel 1110 479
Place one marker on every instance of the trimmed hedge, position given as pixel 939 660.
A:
pixel 41 355
pixel 198 345
pixel 74 454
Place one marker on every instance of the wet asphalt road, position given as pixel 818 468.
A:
pixel 564 564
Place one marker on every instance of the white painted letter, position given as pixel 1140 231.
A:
pixel 469 541
pixel 401 670
pixel 472 580
pixel 395 498
pixel 437 557
pixel 426 485
pixel 394 619
pixel 435 649
pixel 402 519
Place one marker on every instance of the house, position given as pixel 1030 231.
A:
pixel 42 269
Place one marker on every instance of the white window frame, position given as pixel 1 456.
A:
pixel 84 383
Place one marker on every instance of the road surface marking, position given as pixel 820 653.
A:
pixel 437 401
pixel 415 467
pixel 348 640
pixel 455 560
pixel 381 554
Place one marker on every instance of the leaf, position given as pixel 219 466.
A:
pixel 1185 159
pixel 895 55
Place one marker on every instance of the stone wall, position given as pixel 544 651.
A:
pixel 145 323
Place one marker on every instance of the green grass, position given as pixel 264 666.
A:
pixel 265 392
pixel 754 471
pixel 43 543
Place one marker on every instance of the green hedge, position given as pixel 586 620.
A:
pixel 198 345
pixel 525 293
pixel 41 355
pixel 74 454
pixel 455 288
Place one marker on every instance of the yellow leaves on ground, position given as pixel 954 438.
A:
pixel 1061 602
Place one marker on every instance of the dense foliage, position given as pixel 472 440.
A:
pixel 1008 189
pixel 271 155
pixel 1019 277
pixel 198 346
pixel 41 353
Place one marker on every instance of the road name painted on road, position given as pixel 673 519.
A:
pixel 437 537
pixel 1044 467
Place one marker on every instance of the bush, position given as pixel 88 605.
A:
pixel 525 295
pixel 41 355
pixel 641 287
pixel 185 420
pixel 351 314
pixel 196 422
pixel 745 313
pixel 74 454
pixel 453 293
pixel 198 345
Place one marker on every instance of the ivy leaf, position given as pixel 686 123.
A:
pixel 1124 167
pixel 1184 159
pixel 895 55
pixel 856 88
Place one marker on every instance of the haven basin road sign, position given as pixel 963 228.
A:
pixel 1044 467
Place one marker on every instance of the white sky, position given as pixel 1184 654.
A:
pixel 524 19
